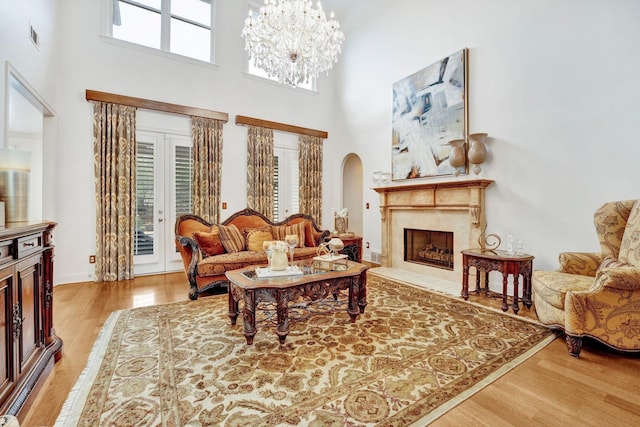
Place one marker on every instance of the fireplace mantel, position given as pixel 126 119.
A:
pixel 457 206
pixel 484 183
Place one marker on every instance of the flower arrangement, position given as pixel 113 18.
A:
pixel 341 220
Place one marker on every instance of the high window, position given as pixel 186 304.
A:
pixel 182 27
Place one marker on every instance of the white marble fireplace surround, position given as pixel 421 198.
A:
pixel 457 206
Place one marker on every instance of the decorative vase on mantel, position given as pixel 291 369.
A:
pixel 477 150
pixel 457 155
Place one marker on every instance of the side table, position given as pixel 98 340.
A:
pixel 352 247
pixel 485 261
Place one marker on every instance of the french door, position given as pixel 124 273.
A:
pixel 285 180
pixel 163 191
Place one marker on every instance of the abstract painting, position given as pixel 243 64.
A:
pixel 429 110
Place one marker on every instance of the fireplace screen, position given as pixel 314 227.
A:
pixel 428 247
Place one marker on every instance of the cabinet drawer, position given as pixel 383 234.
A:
pixel 29 244
pixel 7 249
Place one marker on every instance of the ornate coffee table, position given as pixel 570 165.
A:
pixel 312 285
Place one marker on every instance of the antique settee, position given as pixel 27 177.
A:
pixel 210 250
pixel 597 295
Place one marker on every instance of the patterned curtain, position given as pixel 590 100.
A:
pixel 114 151
pixel 310 173
pixel 260 170
pixel 207 167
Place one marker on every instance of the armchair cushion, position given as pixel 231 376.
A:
pixel 610 263
pixel 553 286
pixel 630 246
pixel 583 263
pixel 610 221
pixel 622 279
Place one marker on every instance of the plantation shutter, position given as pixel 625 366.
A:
pixel 183 181
pixel 145 192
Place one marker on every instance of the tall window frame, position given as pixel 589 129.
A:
pixel 166 27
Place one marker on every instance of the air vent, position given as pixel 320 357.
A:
pixel 375 257
pixel 33 35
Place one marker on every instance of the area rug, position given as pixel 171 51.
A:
pixel 408 359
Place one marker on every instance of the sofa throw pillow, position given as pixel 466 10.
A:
pixel 254 237
pixel 280 231
pixel 311 235
pixel 630 245
pixel 209 242
pixel 231 238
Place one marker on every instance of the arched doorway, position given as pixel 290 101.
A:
pixel 352 191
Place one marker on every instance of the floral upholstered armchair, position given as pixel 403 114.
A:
pixel 597 295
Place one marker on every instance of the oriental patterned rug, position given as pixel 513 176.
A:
pixel 409 358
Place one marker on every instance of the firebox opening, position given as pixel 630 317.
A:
pixel 429 247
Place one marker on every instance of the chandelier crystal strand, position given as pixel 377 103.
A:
pixel 292 41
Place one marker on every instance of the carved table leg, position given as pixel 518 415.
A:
pixel 465 280
pixel 233 306
pixel 515 307
pixel 486 283
pixel 362 293
pixel 478 289
pixel 505 279
pixel 249 315
pixel 574 345
pixel 282 302
pixel 352 307
pixel 527 289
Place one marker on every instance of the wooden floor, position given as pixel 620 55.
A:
pixel 601 388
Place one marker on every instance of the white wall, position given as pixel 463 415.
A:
pixel 554 83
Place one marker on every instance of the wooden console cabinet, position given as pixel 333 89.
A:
pixel 28 344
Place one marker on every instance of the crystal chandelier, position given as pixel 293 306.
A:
pixel 291 40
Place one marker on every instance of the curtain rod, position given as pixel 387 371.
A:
pixel 250 121
pixel 94 95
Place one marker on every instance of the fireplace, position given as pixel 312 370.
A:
pixel 455 206
pixel 429 247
